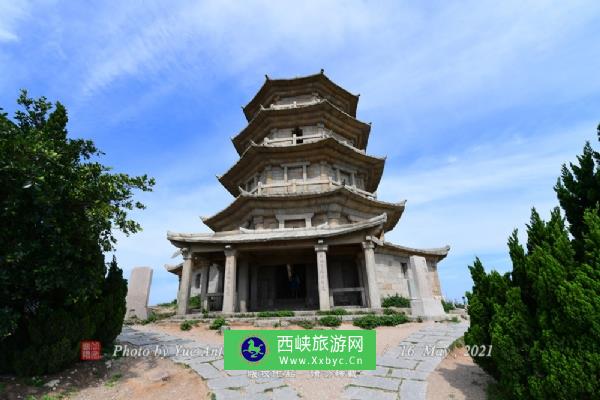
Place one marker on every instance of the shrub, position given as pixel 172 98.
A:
pixel 373 321
pixel 195 302
pixel 335 311
pixel 305 323
pixel 172 304
pixel 330 320
pixel 367 322
pixel 186 325
pixel 395 301
pixel 390 311
pixel 542 318
pixel 392 320
pixel 217 323
pixel 448 305
pixel 275 314
pixel 60 210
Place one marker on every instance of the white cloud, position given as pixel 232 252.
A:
pixel 11 13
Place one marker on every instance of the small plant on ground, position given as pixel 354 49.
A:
pixel 395 301
pixel 366 322
pixel 454 319
pixel 186 325
pixel 373 321
pixel 275 314
pixel 391 311
pixel 305 323
pixel 335 311
pixel 113 380
pixel 217 323
pixel 330 320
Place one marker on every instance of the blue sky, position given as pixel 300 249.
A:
pixel 475 104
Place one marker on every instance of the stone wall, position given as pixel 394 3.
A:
pixel 391 276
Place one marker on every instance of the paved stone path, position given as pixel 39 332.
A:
pixel 200 357
pixel 401 372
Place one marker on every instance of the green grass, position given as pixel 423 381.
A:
pixel 112 381
pixel 336 311
pixel 395 301
pixel 275 314
pixel 330 320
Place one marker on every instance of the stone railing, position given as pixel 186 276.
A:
pixel 322 133
pixel 302 186
pixel 296 104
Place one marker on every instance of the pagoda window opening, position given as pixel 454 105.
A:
pixel 297 135
pixel 250 184
pixel 296 171
pixel 345 177
pixel 294 223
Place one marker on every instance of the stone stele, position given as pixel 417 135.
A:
pixel 138 291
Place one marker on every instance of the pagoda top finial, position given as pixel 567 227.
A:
pixel 302 85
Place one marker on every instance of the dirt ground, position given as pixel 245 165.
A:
pixel 124 378
pixel 130 378
pixel 457 378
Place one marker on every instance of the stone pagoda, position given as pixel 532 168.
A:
pixel 305 230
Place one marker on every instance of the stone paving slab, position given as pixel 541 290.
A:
pixel 361 393
pixel 377 382
pixel 402 371
pixel 225 385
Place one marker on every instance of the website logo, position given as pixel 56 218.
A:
pixel 253 349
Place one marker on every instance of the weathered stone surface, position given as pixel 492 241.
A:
pixel 396 362
pixel 378 371
pixel 413 390
pixel 205 370
pixel 284 393
pixel 409 374
pixel 138 291
pixel 377 382
pixel 362 393
pixel 229 382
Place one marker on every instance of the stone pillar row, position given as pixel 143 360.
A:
pixel 231 276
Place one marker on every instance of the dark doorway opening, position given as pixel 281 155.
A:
pixel 290 282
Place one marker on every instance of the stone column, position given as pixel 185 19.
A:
pixel 243 286
pixel 229 280
pixel 422 302
pixel 183 296
pixel 369 250
pixel 204 271
pixel 321 250
pixel 254 287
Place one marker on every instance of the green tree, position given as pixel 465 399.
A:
pixel 578 188
pixel 543 318
pixel 59 208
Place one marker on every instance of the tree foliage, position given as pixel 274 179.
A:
pixel 59 207
pixel 543 318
